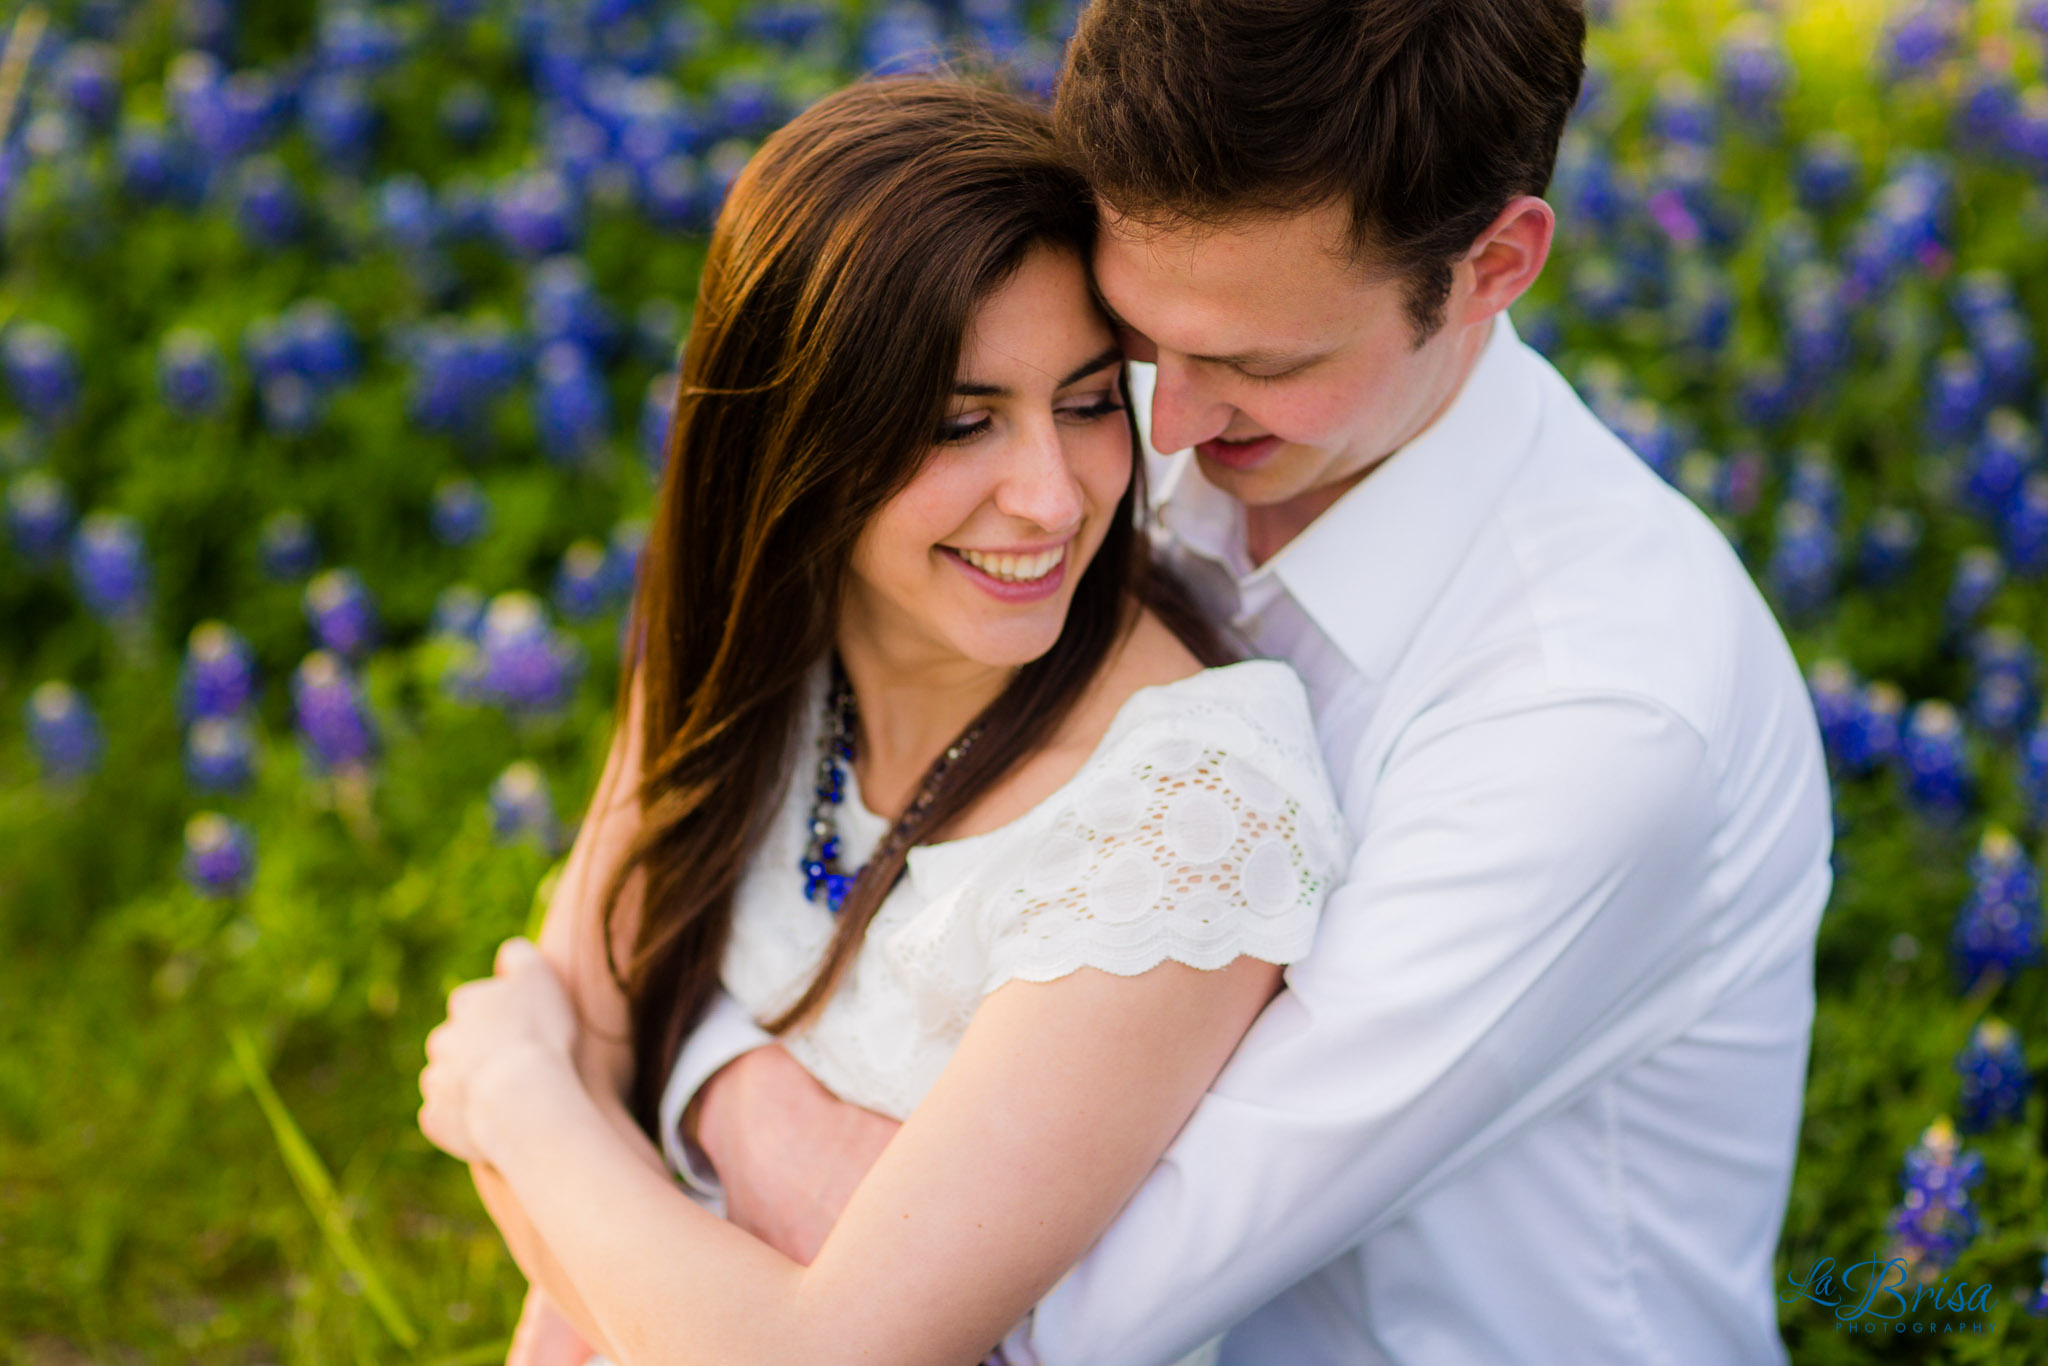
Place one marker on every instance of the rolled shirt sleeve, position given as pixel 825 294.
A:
pixel 1527 899
pixel 725 1032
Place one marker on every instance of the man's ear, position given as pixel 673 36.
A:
pixel 1507 256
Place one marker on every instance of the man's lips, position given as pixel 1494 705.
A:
pixel 1240 455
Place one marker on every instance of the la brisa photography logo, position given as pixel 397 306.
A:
pixel 1883 1295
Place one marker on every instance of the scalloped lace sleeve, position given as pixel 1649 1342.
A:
pixel 1206 831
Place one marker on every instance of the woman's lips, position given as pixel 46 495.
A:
pixel 1240 455
pixel 1006 590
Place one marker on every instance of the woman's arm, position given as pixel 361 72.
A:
pixel 1060 1098
pixel 571 940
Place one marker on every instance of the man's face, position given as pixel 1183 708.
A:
pixel 1290 370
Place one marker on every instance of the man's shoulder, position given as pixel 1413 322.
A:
pixel 1621 583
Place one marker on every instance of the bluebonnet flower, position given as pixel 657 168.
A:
pixel 1765 393
pixel 458 612
pixel 2038 1305
pixel 789 24
pixel 657 412
pixel 1998 928
pixel 332 719
pixel 997 27
pixel 1837 706
pixel 622 557
pixel 1816 323
pixel 1906 226
pixel 189 371
pixel 562 304
pixel 669 193
pixel 339 609
pixel 2004 347
pixel 2005 681
pixel 89 80
pixel 42 371
pixel 285 545
pixel 1999 461
pixel 406 213
pixel 1956 396
pixel 1919 36
pixel 466 113
pixel 319 342
pixel 1934 761
pixel 1993 1067
pixel 1803 560
pixel 39 515
pixel 1599 289
pixel 339 119
pixel 63 732
pixel 358 39
pixel 536 214
pixel 220 858
pixel 220 754
pixel 2034 776
pixel 522 664
pixel 1979 574
pixel 207 23
pixel 110 566
pixel 1588 188
pixel 744 105
pixel 461 512
pixel 1986 103
pixel 1879 725
pixel 1827 172
pixel 582 589
pixel 722 166
pixel 157 167
pixel 1980 295
pixel 1681 112
pixel 219 673
pixel 2024 531
pixel 458 370
pixel 1891 538
pixel 523 808
pixel 571 409
pixel 1936 1219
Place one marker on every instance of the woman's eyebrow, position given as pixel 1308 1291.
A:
pixel 976 389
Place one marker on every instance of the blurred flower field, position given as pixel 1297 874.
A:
pixel 333 372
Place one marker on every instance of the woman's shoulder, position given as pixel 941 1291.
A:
pixel 1156 681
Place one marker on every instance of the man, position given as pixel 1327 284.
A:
pixel 1534 1097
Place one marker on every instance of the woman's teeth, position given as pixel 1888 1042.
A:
pixel 1015 568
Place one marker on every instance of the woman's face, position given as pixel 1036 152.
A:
pixel 976 559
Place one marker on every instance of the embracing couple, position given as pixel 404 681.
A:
pixel 969 796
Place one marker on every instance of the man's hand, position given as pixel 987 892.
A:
pixel 788 1152
pixel 545 1337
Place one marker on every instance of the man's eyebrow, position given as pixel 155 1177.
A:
pixel 1253 357
pixel 1109 357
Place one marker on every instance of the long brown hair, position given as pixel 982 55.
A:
pixel 840 282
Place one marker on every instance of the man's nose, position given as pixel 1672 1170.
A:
pixel 1182 414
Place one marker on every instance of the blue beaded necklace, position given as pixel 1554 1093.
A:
pixel 824 879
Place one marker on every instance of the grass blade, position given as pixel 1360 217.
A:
pixel 310 1174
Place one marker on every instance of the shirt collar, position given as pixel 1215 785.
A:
pixel 1370 566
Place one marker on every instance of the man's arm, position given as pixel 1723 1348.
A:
pixel 1519 921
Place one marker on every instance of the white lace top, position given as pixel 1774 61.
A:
pixel 1203 827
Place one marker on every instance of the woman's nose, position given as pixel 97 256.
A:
pixel 1039 486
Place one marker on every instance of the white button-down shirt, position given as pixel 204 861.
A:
pixel 1534 1095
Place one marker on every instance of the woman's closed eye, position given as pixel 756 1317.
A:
pixel 961 428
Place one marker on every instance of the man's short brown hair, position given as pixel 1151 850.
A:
pixel 1426 116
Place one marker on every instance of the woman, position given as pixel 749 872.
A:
pixel 895 568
